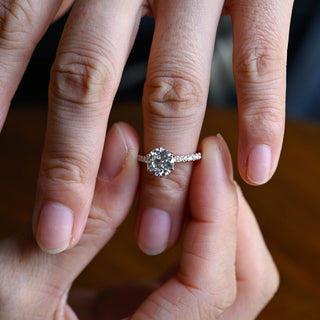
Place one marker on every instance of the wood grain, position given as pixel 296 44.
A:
pixel 287 208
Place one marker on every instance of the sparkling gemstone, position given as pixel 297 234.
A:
pixel 160 162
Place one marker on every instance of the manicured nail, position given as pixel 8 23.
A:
pixel 259 164
pixel 154 231
pixel 54 228
pixel 114 154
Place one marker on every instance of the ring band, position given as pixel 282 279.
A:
pixel 160 162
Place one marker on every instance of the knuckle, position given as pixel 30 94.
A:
pixel 81 77
pixel 260 59
pixel 223 299
pixel 173 97
pixel 66 170
pixel 217 312
pixel 158 306
pixel 208 304
pixel 201 309
pixel 16 17
pixel 100 220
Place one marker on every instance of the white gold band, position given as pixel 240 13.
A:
pixel 186 158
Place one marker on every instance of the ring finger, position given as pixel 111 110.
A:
pixel 174 101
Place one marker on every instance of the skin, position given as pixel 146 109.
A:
pixel 85 76
pixel 214 280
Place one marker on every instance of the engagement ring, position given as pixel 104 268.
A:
pixel 160 161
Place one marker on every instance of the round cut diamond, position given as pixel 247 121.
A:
pixel 160 162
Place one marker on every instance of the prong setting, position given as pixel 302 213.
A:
pixel 160 162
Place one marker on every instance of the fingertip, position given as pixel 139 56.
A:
pixel 121 141
pixel 226 155
pixel 212 147
pixel 212 178
pixel 129 134
pixel 130 138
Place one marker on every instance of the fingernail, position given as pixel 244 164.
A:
pixel 114 154
pixel 154 231
pixel 259 164
pixel 54 227
pixel 226 156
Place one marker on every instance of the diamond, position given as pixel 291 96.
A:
pixel 160 162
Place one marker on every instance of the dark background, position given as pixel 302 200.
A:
pixel 303 94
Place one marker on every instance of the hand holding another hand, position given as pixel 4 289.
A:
pixel 226 271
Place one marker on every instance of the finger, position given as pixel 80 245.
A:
pixel 28 274
pixel 257 275
pixel 84 80
pixel 205 284
pixel 22 24
pixel 174 101
pixel 65 6
pixel 261 30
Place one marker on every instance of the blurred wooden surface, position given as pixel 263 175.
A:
pixel 287 208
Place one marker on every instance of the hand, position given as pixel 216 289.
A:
pixel 89 62
pixel 226 271
pixel 34 284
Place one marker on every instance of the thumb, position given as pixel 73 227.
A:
pixel 28 274
pixel 205 283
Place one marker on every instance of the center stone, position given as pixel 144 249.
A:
pixel 160 162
